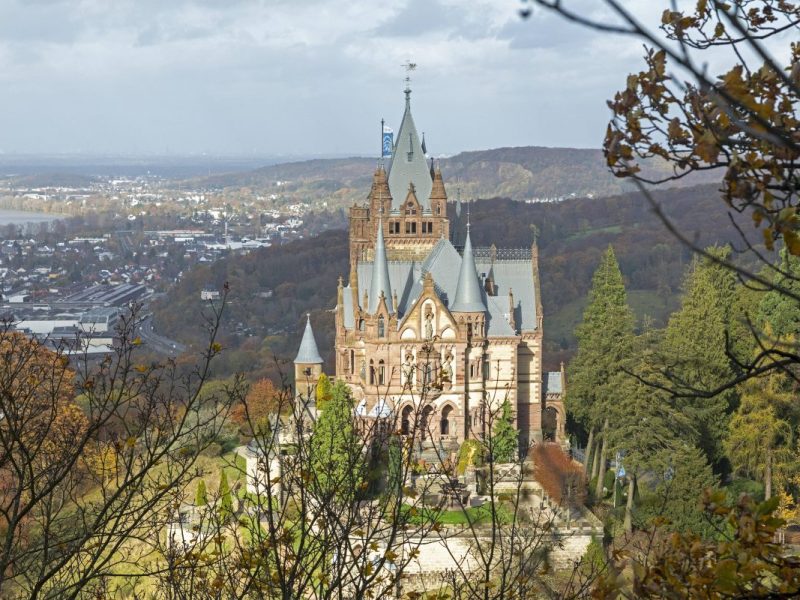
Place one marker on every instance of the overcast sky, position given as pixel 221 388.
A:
pixel 298 77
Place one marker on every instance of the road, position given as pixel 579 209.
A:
pixel 157 342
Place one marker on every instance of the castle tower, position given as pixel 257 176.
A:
pixel 431 327
pixel 307 364
pixel 469 310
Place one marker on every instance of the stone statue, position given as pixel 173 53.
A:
pixel 429 325
pixel 447 368
pixel 408 368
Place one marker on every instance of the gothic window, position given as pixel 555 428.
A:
pixel 411 228
pixel 381 327
pixel 371 372
pixel 361 324
pixel 381 372
pixel 394 227
pixel 427 227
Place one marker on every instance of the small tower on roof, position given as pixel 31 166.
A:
pixel 468 298
pixel 307 363
pixel 380 284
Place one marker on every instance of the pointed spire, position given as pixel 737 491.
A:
pixel 308 353
pixel 408 162
pixel 437 189
pixel 468 296
pixel 380 283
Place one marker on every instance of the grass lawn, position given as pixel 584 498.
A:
pixel 479 515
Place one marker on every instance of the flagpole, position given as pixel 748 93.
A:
pixel 382 124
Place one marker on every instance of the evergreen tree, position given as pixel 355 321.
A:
pixel 604 344
pixel 778 310
pixel 336 449
pixel 225 498
pixel 505 439
pixel 323 390
pixel 677 480
pixel 201 497
pixel 761 438
pixel 695 353
pixel 644 425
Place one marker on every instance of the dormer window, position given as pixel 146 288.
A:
pixel 411 209
pixel 381 327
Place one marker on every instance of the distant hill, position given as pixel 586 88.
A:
pixel 572 236
pixel 57 179
pixel 518 173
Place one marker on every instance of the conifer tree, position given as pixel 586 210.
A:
pixel 336 457
pixel 604 343
pixel 696 352
pixel 201 497
pixel 644 425
pixel 505 439
pixel 225 498
pixel 780 312
pixel 323 390
pixel 761 438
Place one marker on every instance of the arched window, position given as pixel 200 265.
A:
pixel 352 362
pixel 381 372
pixel 444 424
pixel 425 422
pixel 361 324
pixel 405 421
pixel 381 327
pixel 371 372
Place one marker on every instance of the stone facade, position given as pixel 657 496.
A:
pixel 433 333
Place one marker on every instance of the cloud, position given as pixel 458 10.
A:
pixel 283 76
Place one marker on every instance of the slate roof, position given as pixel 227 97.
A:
pixel 552 383
pixel 308 353
pixel 444 264
pixel 408 164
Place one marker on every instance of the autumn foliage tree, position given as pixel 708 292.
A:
pixel 93 453
pixel 563 479
pixel 262 402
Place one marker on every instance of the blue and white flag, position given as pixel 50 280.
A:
pixel 388 141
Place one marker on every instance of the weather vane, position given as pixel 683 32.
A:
pixel 409 66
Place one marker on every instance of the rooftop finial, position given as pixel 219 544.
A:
pixel 408 66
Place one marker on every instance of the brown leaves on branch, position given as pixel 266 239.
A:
pixel 744 121
pixel 744 562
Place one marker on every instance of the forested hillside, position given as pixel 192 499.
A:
pixel 518 173
pixel 573 235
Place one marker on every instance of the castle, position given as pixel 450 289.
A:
pixel 429 326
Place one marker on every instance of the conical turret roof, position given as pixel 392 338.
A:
pixel 469 297
pixel 308 353
pixel 380 275
pixel 408 163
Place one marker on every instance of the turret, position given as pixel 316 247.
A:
pixel 469 296
pixel 380 284
pixel 307 363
